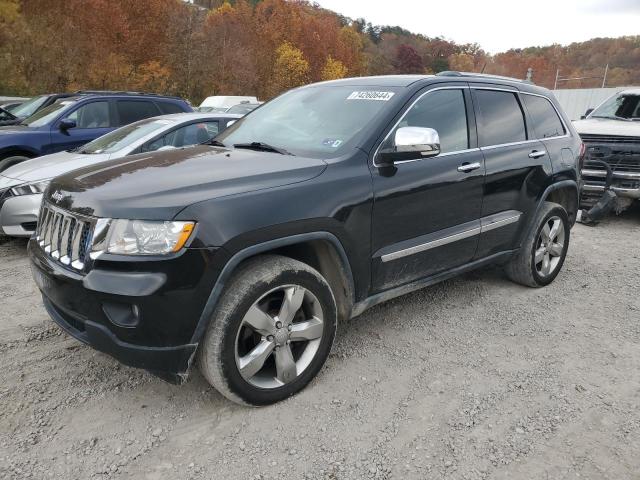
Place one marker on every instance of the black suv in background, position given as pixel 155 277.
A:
pixel 324 202
pixel 72 121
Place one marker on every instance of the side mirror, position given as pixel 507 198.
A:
pixel 411 143
pixel 231 122
pixel 66 124
pixel 166 148
pixel 586 114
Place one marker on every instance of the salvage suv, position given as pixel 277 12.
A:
pixel 611 133
pixel 322 203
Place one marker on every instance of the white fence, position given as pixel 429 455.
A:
pixel 575 102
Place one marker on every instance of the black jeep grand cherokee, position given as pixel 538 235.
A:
pixel 330 199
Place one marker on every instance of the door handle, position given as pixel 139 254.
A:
pixel 537 154
pixel 468 167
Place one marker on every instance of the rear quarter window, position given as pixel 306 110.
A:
pixel 544 118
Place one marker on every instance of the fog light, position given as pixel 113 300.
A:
pixel 122 315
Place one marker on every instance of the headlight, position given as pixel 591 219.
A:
pixel 140 237
pixel 30 188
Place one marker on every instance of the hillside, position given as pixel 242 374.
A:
pixel 252 47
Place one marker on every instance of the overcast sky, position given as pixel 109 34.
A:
pixel 499 25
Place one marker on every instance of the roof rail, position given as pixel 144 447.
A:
pixel 123 92
pixel 452 73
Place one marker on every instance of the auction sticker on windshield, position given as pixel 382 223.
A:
pixel 368 95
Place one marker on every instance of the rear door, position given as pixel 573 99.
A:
pixel 93 119
pixel 517 166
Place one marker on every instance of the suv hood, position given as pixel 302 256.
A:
pixel 158 186
pixel 49 166
pixel 606 126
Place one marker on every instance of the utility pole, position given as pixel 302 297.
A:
pixel 555 85
pixel 604 79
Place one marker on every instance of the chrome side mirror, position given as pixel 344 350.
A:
pixel 411 143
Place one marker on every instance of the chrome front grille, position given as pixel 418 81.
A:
pixel 65 236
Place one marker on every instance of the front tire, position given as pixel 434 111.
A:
pixel 11 161
pixel 270 333
pixel 543 252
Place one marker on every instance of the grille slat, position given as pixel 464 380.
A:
pixel 622 154
pixel 65 236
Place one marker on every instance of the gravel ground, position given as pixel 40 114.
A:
pixel 474 378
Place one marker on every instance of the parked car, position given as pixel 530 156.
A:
pixel 226 101
pixel 324 202
pixel 243 108
pixel 11 105
pixel 611 133
pixel 30 106
pixel 21 186
pixel 71 122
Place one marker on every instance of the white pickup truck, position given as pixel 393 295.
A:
pixel 611 134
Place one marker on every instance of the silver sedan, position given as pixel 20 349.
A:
pixel 22 186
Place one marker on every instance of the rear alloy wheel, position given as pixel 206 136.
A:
pixel 271 332
pixel 542 254
pixel 549 247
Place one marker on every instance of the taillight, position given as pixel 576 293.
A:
pixel 581 156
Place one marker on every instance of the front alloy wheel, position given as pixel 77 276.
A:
pixel 279 336
pixel 271 331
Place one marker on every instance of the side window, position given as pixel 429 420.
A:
pixel 445 112
pixel 130 111
pixel 500 118
pixel 186 136
pixel 92 115
pixel 544 117
pixel 168 107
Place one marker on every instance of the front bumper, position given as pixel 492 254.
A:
pixel 162 303
pixel 19 215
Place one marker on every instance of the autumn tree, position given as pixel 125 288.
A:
pixel 333 69
pixel 407 60
pixel 290 70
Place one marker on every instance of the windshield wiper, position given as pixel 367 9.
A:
pixel 262 147
pixel 215 143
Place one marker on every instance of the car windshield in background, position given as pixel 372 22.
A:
pixel 318 122
pixel 29 107
pixel 125 136
pixel 47 114
pixel 623 107
pixel 242 109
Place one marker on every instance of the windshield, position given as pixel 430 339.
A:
pixel 242 109
pixel 124 137
pixel 47 114
pixel 29 107
pixel 624 107
pixel 317 122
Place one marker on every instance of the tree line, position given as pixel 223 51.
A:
pixel 253 47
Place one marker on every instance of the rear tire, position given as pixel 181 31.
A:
pixel 543 252
pixel 11 161
pixel 270 333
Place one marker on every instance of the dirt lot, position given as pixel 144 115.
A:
pixel 475 378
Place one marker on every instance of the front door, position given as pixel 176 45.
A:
pixel 426 213
pixel 92 121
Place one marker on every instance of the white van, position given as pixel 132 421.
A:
pixel 224 101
